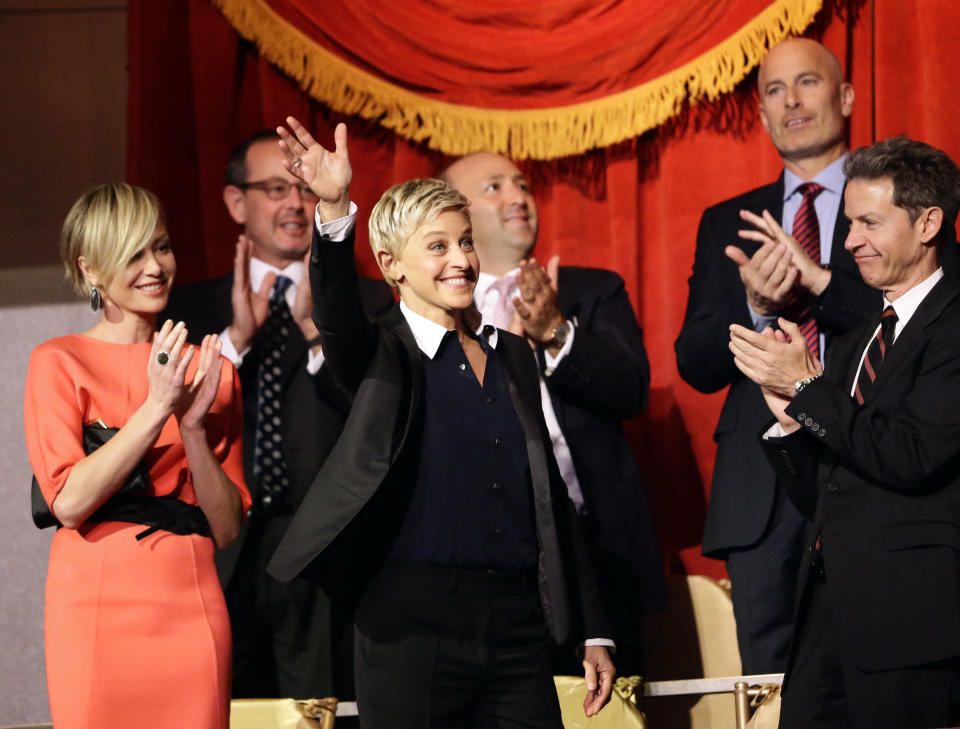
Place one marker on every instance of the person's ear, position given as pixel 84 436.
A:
pixel 846 99
pixel 87 271
pixel 930 222
pixel 390 265
pixel 235 201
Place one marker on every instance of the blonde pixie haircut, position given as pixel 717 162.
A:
pixel 107 226
pixel 403 208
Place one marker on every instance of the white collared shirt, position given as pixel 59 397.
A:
pixel 428 334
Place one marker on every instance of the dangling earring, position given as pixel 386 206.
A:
pixel 95 298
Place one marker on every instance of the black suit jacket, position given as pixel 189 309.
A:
pixel 742 491
pixel 882 483
pixel 314 407
pixel 344 529
pixel 602 381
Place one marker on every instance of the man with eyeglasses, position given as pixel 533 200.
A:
pixel 283 637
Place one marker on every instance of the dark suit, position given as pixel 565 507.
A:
pixel 602 381
pixel 881 483
pixel 750 523
pixel 344 530
pixel 282 632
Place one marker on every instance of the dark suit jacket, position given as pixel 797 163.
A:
pixel 742 492
pixel 314 407
pixel 882 483
pixel 604 380
pixel 344 529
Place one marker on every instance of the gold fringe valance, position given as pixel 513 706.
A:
pixel 541 134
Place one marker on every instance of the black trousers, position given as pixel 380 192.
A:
pixel 826 690
pixel 451 648
pixel 764 587
pixel 281 630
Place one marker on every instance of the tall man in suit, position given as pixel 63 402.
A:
pixel 870 452
pixel 293 413
pixel 740 276
pixel 594 375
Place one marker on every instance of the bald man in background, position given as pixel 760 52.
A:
pixel 594 375
pixel 804 103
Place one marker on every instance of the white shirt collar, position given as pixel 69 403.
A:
pixel 429 334
pixel 907 304
pixel 831 177
pixel 293 271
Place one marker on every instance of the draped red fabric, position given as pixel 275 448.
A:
pixel 196 89
pixel 510 55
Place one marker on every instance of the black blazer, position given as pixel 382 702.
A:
pixel 314 407
pixel 604 380
pixel 346 525
pixel 742 491
pixel 881 482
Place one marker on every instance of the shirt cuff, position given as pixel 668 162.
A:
pixel 314 361
pixel 775 431
pixel 760 321
pixel 605 642
pixel 337 230
pixel 229 351
pixel 553 361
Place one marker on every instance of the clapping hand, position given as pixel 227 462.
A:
pixel 166 368
pixel 249 307
pixel 809 276
pixel 198 395
pixel 536 300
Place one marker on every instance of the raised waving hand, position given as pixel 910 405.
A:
pixel 327 172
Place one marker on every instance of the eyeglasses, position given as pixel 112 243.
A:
pixel 277 189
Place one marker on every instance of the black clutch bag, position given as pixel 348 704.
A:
pixel 94 436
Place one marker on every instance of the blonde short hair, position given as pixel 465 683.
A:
pixel 403 208
pixel 107 226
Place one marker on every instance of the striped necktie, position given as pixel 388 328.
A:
pixel 806 229
pixel 875 354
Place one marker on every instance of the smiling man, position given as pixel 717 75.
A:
pixel 741 275
pixel 594 375
pixel 293 414
pixel 869 452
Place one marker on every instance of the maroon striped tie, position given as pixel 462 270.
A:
pixel 806 230
pixel 875 354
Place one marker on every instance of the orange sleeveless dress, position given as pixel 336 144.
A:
pixel 136 633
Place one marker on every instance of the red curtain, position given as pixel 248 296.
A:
pixel 196 88
pixel 509 55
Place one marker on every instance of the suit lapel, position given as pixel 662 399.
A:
pixel 517 358
pixel 411 397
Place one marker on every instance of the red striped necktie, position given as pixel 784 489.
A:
pixel 806 229
pixel 875 354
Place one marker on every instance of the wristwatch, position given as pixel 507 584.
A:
pixel 798 387
pixel 560 335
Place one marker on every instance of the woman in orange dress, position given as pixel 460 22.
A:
pixel 136 627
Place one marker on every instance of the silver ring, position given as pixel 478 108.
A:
pixel 297 164
pixel 163 358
